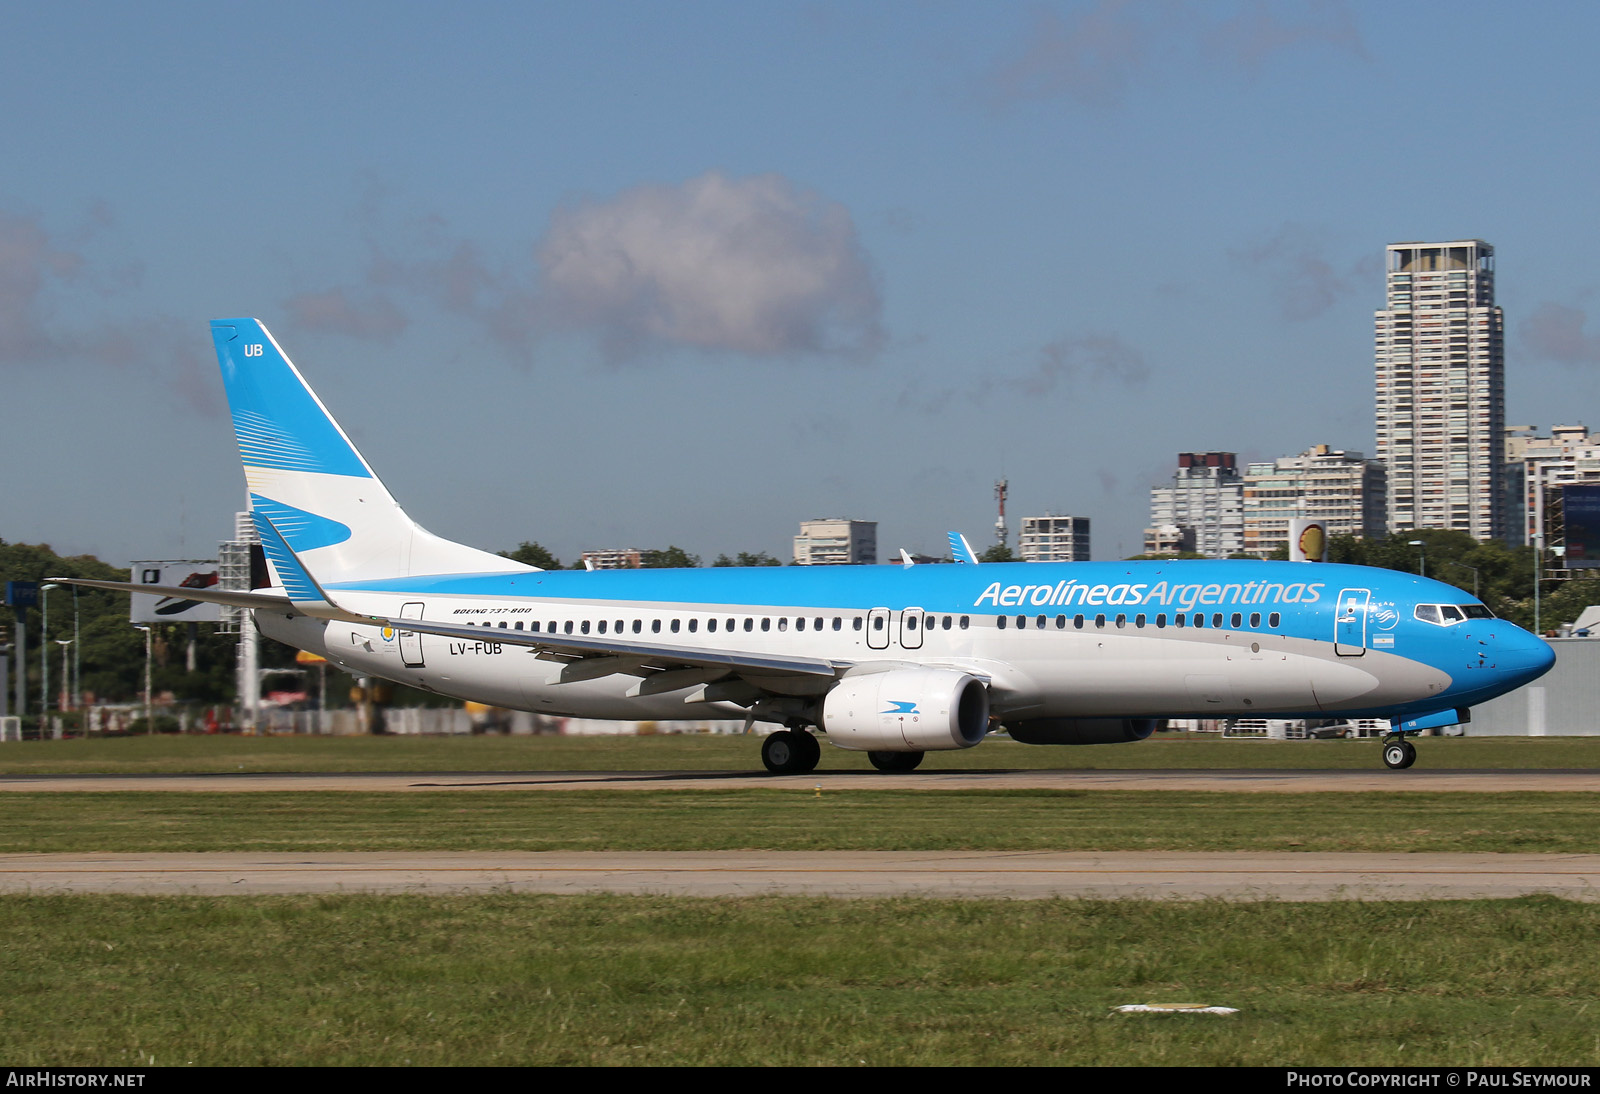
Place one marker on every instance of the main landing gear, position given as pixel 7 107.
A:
pixel 791 752
pixel 1398 753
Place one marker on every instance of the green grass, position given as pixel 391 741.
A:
pixel 506 979
pixel 225 753
pixel 797 819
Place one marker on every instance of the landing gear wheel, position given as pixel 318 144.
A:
pixel 891 763
pixel 1399 754
pixel 790 752
pixel 811 747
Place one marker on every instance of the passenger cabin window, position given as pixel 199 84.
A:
pixel 1000 621
pixel 1273 620
pixel 694 625
pixel 964 621
pixel 655 626
pixel 1237 619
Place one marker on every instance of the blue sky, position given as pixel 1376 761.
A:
pixel 631 274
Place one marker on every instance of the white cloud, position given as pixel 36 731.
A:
pixel 337 310
pixel 755 265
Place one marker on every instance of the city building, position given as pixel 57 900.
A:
pixel 1535 465
pixel 836 541
pixel 1342 489
pixel 1205 500
pixel 613 558
pixel 1054 539
pixel 1168 539
pixel 1440 389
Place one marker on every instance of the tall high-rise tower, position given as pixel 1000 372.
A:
pixel 1441 388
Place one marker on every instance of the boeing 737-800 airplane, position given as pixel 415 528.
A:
pixel 894 661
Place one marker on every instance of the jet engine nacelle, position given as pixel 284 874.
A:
pixel 1081 731
pixel 907 710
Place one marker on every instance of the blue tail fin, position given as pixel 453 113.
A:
pixel 330 518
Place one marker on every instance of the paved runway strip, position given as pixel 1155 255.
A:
pixel 1146 875
pixel 1242 781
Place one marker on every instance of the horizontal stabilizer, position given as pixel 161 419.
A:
pixel 235 598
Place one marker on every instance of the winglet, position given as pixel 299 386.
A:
pixel 961 550
pixel 906 560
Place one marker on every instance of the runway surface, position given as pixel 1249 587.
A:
pixel 1146 875
pixel 1241 781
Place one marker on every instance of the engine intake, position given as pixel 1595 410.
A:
pixel 907 710
pixel 1081 731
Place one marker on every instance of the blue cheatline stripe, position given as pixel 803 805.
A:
pixel 278 421
pixel 296 582
pixel 1211 585
pixel 301 530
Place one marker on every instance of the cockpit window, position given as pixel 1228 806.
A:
pixel 1444 615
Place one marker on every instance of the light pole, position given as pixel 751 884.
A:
pixel 1474 569
pixel 1538 561
pixel 44 649
pixel 1422 556
pixel 149 721
pixel 66 675
pixel 77 656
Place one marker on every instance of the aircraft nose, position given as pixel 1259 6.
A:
pixel 1526 655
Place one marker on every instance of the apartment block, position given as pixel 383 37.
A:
pixel 1052 538
pixel 1344 490
pixel 1440 388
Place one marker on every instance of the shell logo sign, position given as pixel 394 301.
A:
pixel 1308 541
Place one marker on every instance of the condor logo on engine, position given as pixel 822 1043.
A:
pixel 900 706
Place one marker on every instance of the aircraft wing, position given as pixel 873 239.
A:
pixel 593 656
